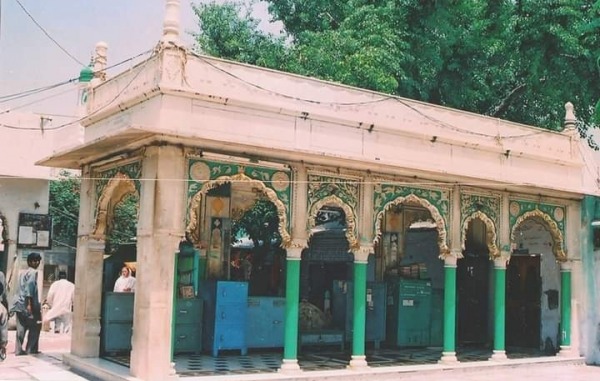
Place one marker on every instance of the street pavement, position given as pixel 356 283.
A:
pixel 48 366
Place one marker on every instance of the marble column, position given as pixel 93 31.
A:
pixel 85 334
pixel 565 309
pixel 361 257
pixel 294 255
pixel 160 229
pixel 359 359
pixel 449 351
pixel 499 352
pixel 449 345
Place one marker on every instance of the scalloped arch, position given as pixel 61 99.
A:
pixel 350 218
pixel 555 232
pixel 435 214
pixel 119 186
pixel 192 228
pixel 490 234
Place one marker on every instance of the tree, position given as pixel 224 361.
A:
pixel 64 208
pixel 518 60
pixel 260 223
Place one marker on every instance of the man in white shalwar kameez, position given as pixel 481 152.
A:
pixel 60 299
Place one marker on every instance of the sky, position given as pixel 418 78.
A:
pixel 29 59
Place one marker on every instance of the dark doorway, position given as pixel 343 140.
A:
pixel 523 307
pixel 473 288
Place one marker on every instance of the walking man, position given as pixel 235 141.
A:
pixel 26 304
pixel 60 299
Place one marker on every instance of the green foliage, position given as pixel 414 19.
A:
pixel 123 227
pixel 64 208
pixel 518 60
pixel 260 223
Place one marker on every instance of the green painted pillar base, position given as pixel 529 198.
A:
pixel 292 303
pixel 359 318
pixel 565 309
pixel 449 352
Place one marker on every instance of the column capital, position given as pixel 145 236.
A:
pixel 362 253
pixel 451 258
pixel 501 261
pixel 566 266
pixel 294 251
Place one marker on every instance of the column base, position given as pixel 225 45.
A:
pixel 498 355
pixel 567 351
pixel 358 362
pixel 448 358
pixel 289 366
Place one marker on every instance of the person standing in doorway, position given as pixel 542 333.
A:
pixel 60 299
pixel 3 317
pixel 26 304
pixel 125 282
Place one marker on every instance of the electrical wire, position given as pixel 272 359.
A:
pixel 47 34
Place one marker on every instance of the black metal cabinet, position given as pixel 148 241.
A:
pixel 343 313
pixel 117 322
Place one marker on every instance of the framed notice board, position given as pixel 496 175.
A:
pixel 35 231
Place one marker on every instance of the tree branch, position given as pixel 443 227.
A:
pixel 503 105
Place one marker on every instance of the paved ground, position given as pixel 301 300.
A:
pixel 48 366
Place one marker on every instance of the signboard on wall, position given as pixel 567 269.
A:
pixel 34 231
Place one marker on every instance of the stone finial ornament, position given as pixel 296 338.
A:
pixel 570 119
pixel 100 60
pixel 171 21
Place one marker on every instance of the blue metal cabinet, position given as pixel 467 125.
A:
pixel 188 325
pixel 265 325
pixel 343 310
pixel 117 322
pixel 226 305
pixel 409 307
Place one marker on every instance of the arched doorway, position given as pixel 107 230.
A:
pixel 473 287
pixel 532 287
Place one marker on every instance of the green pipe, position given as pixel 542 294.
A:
pixel 360 302
pixel 449 307
pixel 499 308
pixel 565 307
pixel 292 301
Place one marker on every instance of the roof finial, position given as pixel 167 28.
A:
pixel 172 21
pixel 570 119
pixel 100 61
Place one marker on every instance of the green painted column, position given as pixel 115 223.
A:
pixel 565 306
pixel 292 303
pixel 361 256
pixel 360 308
pixel 449 351
pixel 499 352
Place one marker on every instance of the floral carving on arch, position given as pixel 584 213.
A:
pixel 333 200
pixel 192 229
pixel 117 188
pixel 555 233
pixel 435 214
pixel 490 233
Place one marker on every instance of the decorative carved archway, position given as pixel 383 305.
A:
pixel 334 200
pixel 555 233
pixel 490 233
pixel 118 187
pixel 435 214
pixel 192 230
